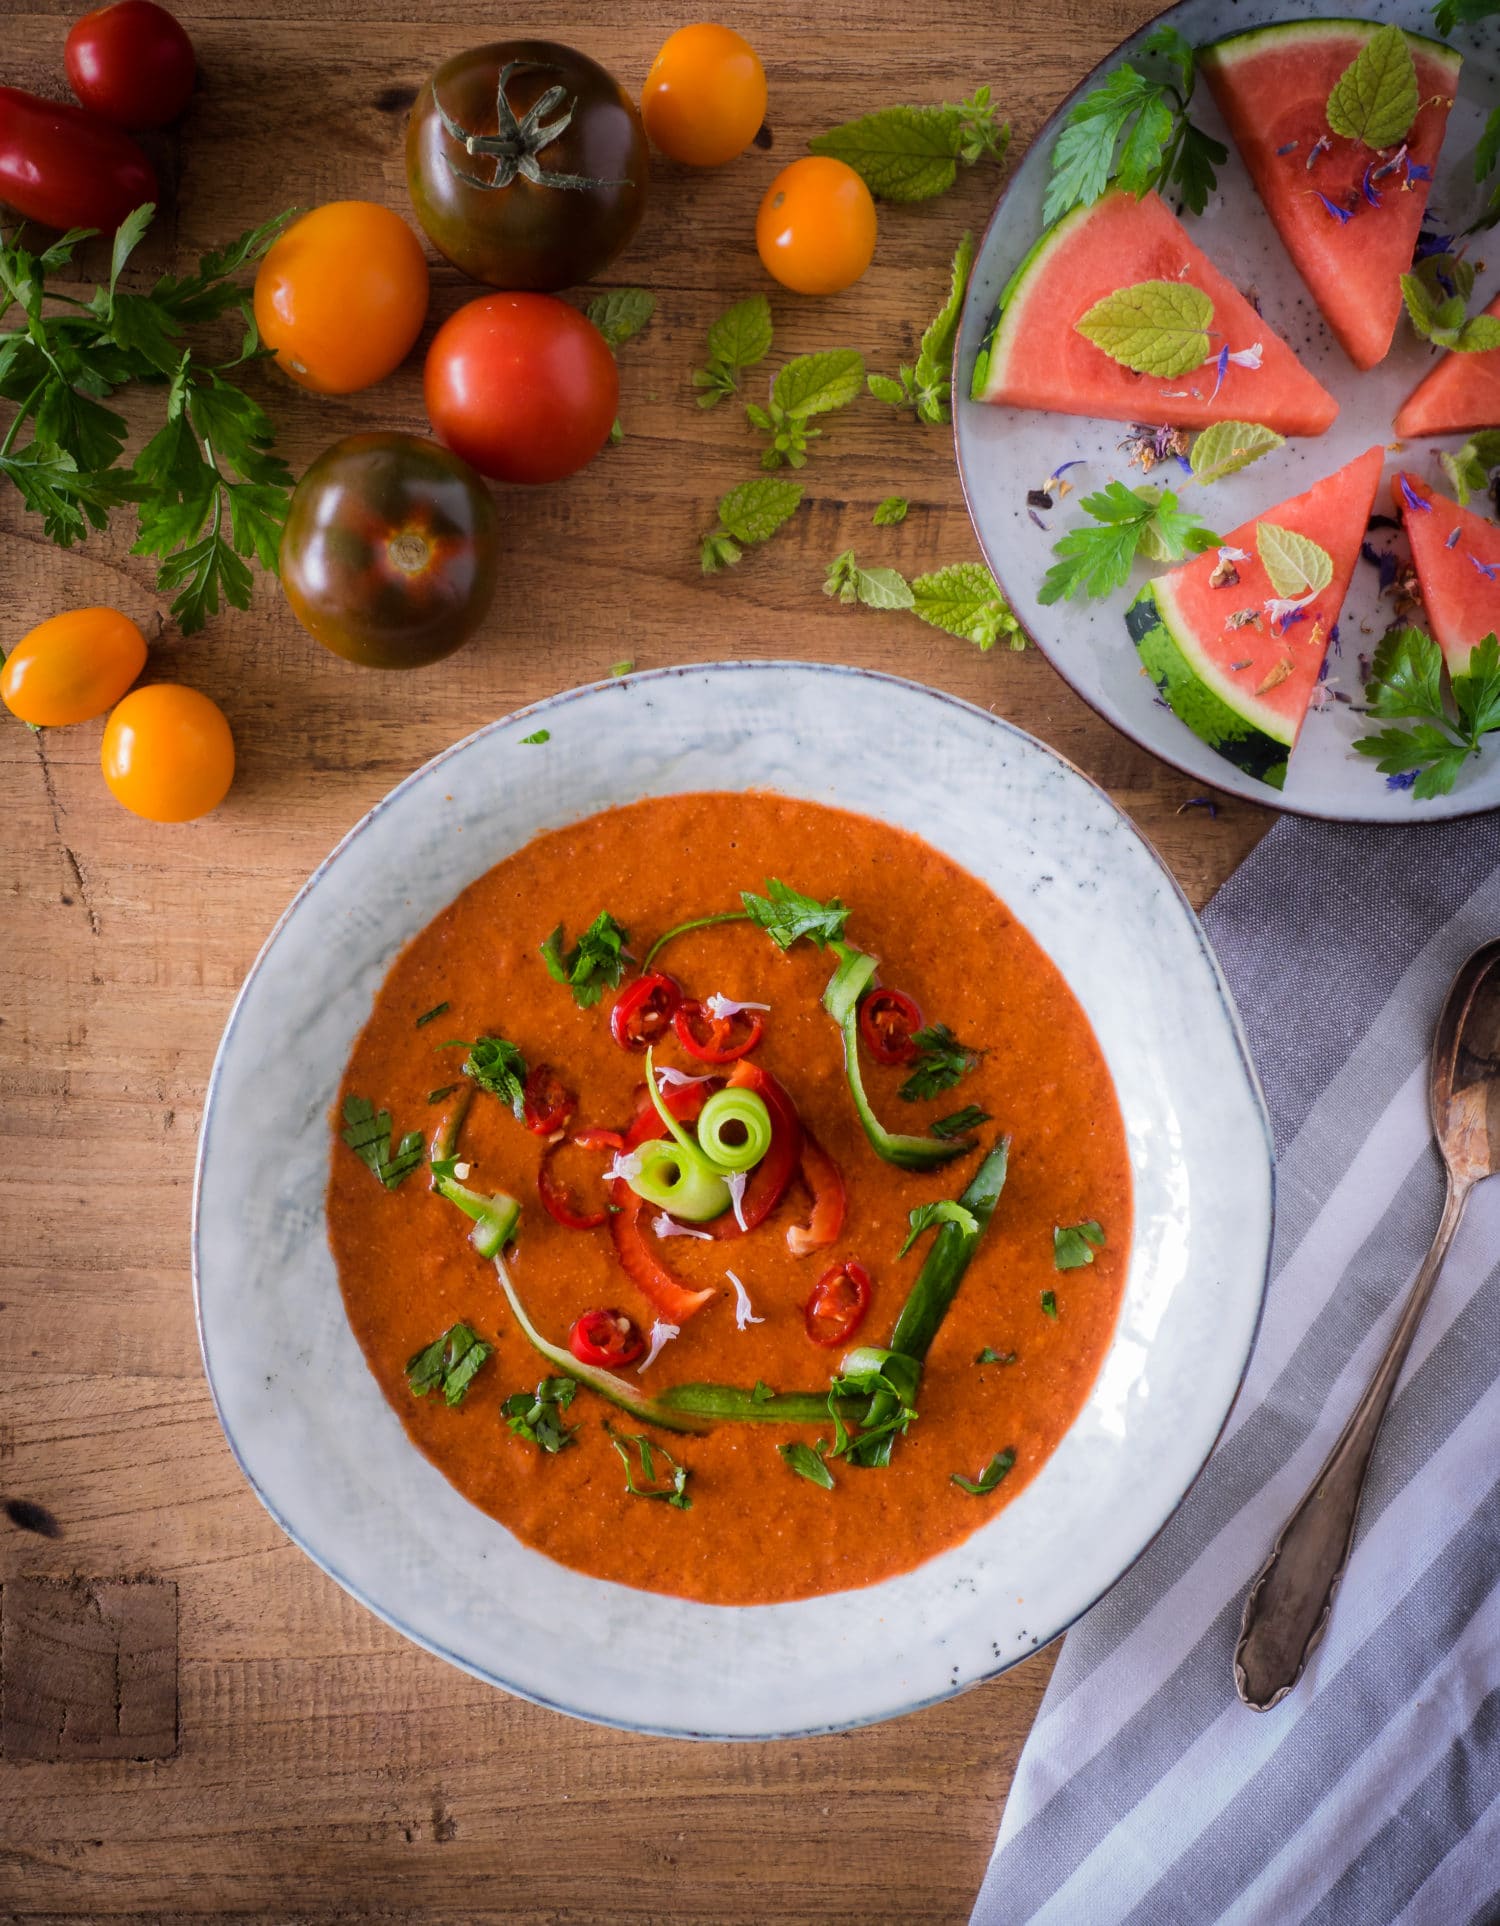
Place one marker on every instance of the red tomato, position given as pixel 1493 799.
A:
pixel 605 1337
pixel 888 1020
pixel 643 1013
pixel 838 1304
pixel 522 386
pixel 64 168
pixel 131 64
pixel 546 1101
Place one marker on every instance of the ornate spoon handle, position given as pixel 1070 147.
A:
pixel 1287 1607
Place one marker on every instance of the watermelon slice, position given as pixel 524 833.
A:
pixel 1245 686
pixel 1034 357
pixel 1460 578
pixel 1272 85
pixel 1462 392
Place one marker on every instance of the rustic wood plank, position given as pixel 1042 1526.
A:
pixel 88 1669
pixel 327 1770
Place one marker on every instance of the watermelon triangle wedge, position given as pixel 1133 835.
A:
pixel 1456 554
pixel 1350 229
pixel 1239 677
pixel 1034 357
pixel 1462 392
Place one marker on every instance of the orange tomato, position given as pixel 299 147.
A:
pixel 167 753
pixel 74 666
pixel 342 296
pixel 815 231
pixel 705 96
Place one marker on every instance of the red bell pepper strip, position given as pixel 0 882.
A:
pixel 558 1199
pixel 771 1176
pixel 821 1176
pixel 676 1301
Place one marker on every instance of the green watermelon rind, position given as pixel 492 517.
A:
pixel 1251 40
pixel 1173 660
pixel 981 387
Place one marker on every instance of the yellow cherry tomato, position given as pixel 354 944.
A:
pixel 167 753
pixel 76 665
pixel 816 227
pixel 705 96
pixel 342 296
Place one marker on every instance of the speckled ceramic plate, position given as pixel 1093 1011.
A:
pixel 329 1458
pixel 1003 452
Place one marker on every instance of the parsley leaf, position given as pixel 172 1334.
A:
pixel 748 514
pixel 738 339
pixel 367 1132
pixel 1097 561
pixel 941 1062
pixel 891 511
pixel 877 588
pixel 1073 1245
pixel 808 1462
pixel 1448 14
pixel 943 1211
pixel 912 153
pixel 595 963
pixel 928 387
pixel 993 1472
pixel 1144 115
pixel 786 915
pixel 990 1356
pixel 1406 684
pixel 958 1123
pixel 497 1066
pixel 449 1364
pixel 672 1485
pixel 810 384
pixel 538 1416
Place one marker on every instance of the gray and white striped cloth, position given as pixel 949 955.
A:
pixel 1147 1793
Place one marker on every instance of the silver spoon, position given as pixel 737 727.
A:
pixel 1288 1606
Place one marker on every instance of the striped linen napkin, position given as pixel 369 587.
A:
pixel 1146 1791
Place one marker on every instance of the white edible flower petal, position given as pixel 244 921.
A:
pixel 743 1314
pixel 669 1078
pixel 721 1007
pixel 1247 357
pixel 461 1172
pixel 1280 607
pixel 625 1168
pixel 1234 555
pixel 737 1180
pixel 661 1335
pixel 665 1226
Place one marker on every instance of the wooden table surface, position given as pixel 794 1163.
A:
pixel 195 1722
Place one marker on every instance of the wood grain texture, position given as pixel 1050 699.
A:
pixel 327 1770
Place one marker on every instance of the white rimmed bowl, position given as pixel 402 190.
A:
pixel 329 1458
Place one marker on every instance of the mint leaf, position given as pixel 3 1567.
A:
pixel 877 588
pixel 1436 294
pixel 738 339
pixel 891 511
pixel 815 384
pixel 913 153
pixel 1228 446
pixel 748 514
pixel 621 314
pixel 964 599
pixel 1469 470
pixel 1073 1245
pixel 928 387
pixel 1296 565
pixel 1156 327
pixel 1376 97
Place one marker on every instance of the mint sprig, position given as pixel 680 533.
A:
pixel 914 153
pixel 739 339
pixel 1134 132
pixel 962 599
pixel 810 384
pixel 1436 293
pixel 927 387
pixel 1470 469
pixel 1406 684
pixel 877 588
pixel 748 514
pixel 1094 562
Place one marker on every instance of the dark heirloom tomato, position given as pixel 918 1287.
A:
pixel 527 164
pixel 390 551
pixel 64 168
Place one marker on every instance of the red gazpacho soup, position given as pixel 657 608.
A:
pixel 731 1198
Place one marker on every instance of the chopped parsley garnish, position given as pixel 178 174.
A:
pixel 1143 115
pixel 943 1211
pixel 1049 1304
pixel 807 1462
pixel 670 1486
pixel 988 1356
pixel 786 915
pixel 1407 684
pixel 993 1472
pixel 958 1123
pixel 888 1380
pixel 538 1416
pixel 443 1090
pixel 1073 1245
pixel 496 1065
pixel 449 1364
pixel 941 1061
pixel 595 963
pixel 367 1132
pixel 1095 562
pixel 437 1010
pixel 541 735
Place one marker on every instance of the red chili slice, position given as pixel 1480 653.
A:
pixel 643 1014
pixel 821 1176
pixel 605 1337
pixel 888 1020
pixel 676 1301
pixel 546 1102
pixel 558 1199
pixel 771 1176
pixel 714 1039
pixel 838 1304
